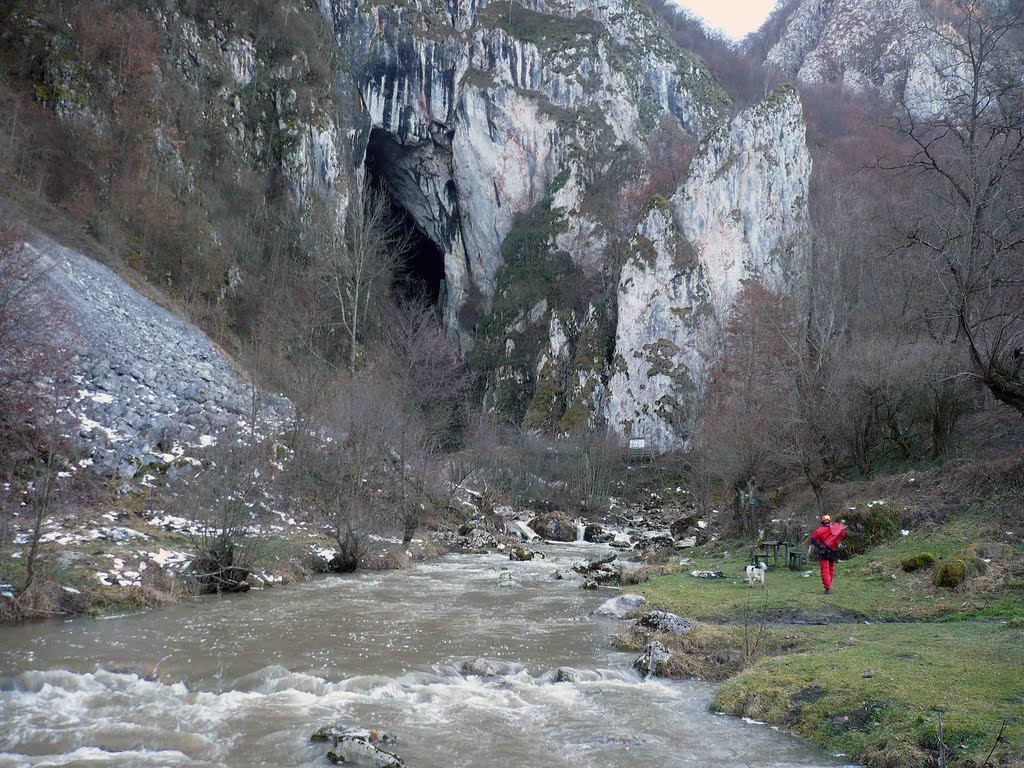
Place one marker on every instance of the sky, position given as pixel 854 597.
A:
pixel 734 17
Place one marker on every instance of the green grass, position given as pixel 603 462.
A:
pixel 875 692
pixel 872 586
pixel 899 650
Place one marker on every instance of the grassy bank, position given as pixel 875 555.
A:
pixel 870 587
pixel 876 692
pixel 867 670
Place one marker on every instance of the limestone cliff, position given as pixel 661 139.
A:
pixel 740 216
pixel 483 105
pixel 888 46
pixel 508 132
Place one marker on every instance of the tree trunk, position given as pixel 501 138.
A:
pixel 1006 389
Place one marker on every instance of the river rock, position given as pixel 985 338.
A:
pixel 568 675
pixel 359 745
pixel 555 526
pixel 596 534
pixel 482 668
pixel 653 659
pixel 521 529
pixel 601 572
pixel 620 545
pixel 522 554
pixel 340 730
pixel 663 621
pixel 620 607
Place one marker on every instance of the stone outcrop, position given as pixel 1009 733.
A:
pixel 359 745
pixel 740 216
pixel 884 46
pixel 667 623
pixel 555 526
pixel 480 106
pixel 503 129
pixel 653 660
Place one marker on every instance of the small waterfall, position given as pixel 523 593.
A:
pixel 581 529
pixel 520 528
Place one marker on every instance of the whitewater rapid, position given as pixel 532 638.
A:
pixel 244 680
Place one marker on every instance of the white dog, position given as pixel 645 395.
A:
pixel 756 573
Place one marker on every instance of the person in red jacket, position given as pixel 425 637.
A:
pixel 825 542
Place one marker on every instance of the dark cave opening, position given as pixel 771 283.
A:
pixel 419 275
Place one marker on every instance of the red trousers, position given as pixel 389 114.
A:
pixel 828 570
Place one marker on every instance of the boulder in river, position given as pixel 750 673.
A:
pixel 653 659
pixel 620 607
pixel 522 554
pixel 482 668
pixel 596 534
pixel 663 621
pixel 568 675
pixel 359 745
pixel 339 730
pixel 521 529
pixel 555 526
pixel 603 571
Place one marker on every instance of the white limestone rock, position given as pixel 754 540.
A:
pixel 741 215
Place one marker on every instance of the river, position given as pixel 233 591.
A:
pixel 244 680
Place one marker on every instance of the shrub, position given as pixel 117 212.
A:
pixel 958 568
pixel 871 526
pixel 918 562
pixel 384 559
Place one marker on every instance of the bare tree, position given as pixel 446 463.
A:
pixel 596 459
pixel 349 481
pixel 34 391
pixel 48 452
pixel 968 162
pixel 227 501
pixel 354 263
pixel 432 386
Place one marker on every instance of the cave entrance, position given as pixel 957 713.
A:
pixel 419 276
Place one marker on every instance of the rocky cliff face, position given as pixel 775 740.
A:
pixel 483 105
pixel 507 131
pixel 740 216
pixel 882 45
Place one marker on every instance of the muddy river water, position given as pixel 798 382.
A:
pixel 244 680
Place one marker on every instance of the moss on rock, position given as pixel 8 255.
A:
pixel 918 562
pixel 957 569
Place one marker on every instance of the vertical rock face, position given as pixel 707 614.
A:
pixel 885 45
pixel 273 129
pixel 508 131
pixel 486 103
pixel 740 216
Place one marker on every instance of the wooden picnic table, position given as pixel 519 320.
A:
pixel 769 550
